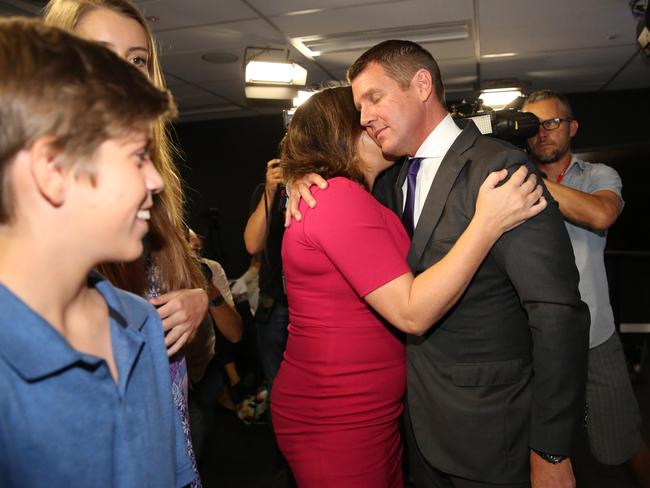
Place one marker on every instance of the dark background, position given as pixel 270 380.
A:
pixel 226 159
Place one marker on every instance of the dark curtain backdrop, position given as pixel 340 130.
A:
pixel 223 162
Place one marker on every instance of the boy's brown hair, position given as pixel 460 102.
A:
pixel 79 93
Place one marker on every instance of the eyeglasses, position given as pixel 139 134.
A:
pixel 552 124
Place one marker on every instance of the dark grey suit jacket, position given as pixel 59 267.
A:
pixel 504 371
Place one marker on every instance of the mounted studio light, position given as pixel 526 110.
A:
pixel 302 97
pixel 270 74
pixel 497 98
pixel 275 73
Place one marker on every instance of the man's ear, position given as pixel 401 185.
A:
pixel 50 178
pixel 573 128
pixel 423 84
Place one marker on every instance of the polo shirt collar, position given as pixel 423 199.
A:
pixel 575 160
pixel 36 350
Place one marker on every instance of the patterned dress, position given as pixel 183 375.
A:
pixel 178 375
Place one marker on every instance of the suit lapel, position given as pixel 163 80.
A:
pixel 450 168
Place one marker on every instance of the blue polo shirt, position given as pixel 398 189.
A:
pixel 64 422
pixel 589 247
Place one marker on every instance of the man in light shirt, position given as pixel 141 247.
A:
pixel 589 196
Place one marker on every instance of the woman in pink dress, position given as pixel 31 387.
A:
pixel 338 395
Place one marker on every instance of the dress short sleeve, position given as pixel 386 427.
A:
pixel 363 240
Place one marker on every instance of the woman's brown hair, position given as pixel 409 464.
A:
pixel 322 137
pixel 174 259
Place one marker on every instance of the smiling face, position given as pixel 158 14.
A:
pixel 114 205
pixel 119 33
pixel 393 116
pixel 550 146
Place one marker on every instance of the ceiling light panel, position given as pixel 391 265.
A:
pixel 385 16
pixel 307 7
pixel 350 41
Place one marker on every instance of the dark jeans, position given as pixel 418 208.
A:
pixel 271 324
pixel 202 405
pixel 272 335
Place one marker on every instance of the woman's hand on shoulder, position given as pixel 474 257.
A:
pixel 301 189
pixel 502 208
pixel 181 312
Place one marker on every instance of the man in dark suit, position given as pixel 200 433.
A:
pixel 495 390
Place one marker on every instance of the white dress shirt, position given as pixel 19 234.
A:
pixel 433 149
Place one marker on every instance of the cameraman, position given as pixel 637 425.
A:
pixel 589 196
pixel 263 234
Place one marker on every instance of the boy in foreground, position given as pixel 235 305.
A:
pixel 84 378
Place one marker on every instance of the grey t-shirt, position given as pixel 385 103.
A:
pixel 589 247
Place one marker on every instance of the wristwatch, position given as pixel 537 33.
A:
pixel 551 458
pixel 216 301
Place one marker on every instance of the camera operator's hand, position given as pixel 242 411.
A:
pixel 273 178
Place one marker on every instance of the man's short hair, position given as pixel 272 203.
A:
pixel 401 60
pixel 540 95
pixel 77 92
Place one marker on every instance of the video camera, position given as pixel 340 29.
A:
pixel 510 124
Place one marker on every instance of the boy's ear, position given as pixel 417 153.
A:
pixel 50 178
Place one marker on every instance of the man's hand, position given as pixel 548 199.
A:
pixel 181 313
pixel 504 207
pixel 301 189
pixel 547 475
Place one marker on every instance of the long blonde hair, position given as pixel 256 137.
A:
pixel 171 254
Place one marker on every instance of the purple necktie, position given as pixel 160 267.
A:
pixel 411 177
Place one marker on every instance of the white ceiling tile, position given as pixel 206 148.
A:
pixel 577 66
pixel 192 68
pixel 231 37
pixel 531 26
pixel 174 14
